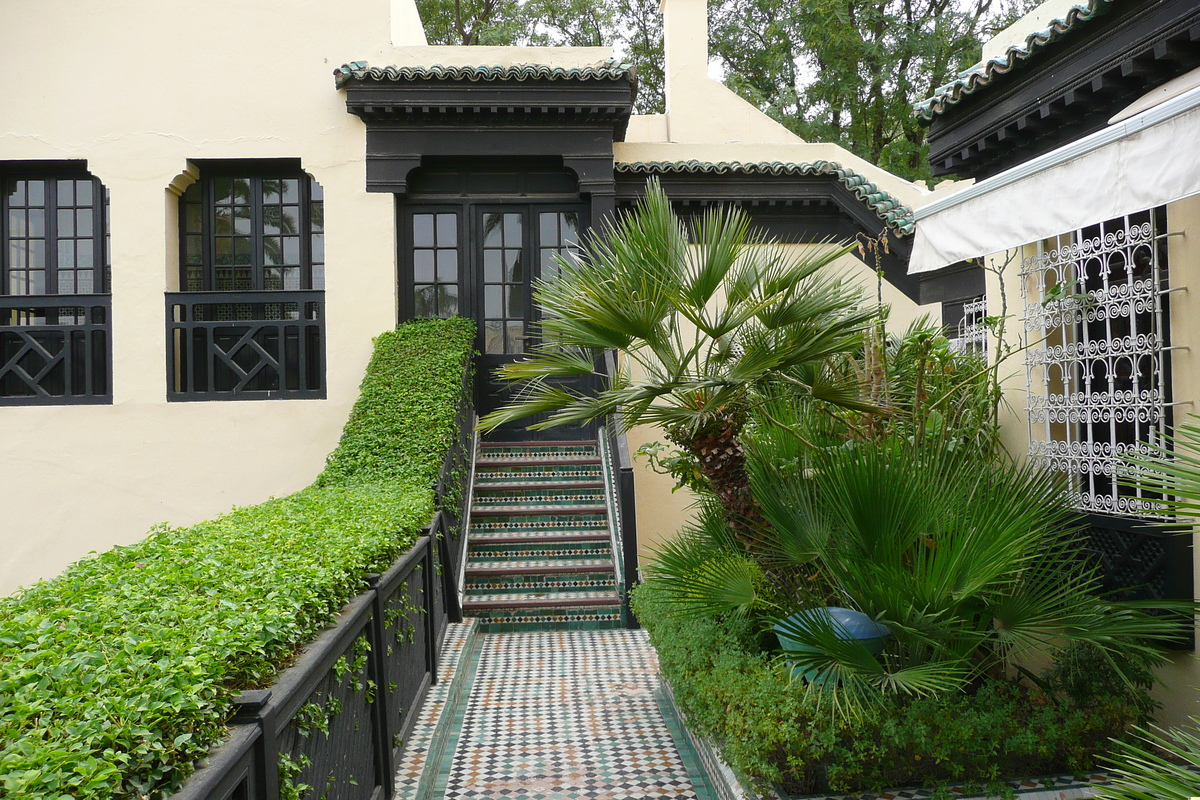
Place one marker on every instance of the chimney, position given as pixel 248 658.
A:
pixel 685 46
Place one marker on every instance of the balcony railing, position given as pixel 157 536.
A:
pixel 245 345
pixel 55 349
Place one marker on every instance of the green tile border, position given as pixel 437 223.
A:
pixel 683 743
pixel 440 758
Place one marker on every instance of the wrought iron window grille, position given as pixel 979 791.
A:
pixel 1097 367
pixel 972 333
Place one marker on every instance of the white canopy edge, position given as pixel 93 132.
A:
pixel 1148 160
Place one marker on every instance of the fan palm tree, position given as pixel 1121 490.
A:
pixel 704 314
pixel 972 566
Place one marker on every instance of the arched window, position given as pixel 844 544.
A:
pixel 248 323
pixel 54 276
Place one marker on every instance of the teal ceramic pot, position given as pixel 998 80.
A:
pixel 846 623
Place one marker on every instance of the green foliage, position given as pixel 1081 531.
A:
pixel 117 675
pixel 641 289
pixel 771 731
pixel 1160 765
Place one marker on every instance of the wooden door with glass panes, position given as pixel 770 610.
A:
pixel 514 248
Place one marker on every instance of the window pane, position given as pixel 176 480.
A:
pixel 491 230
pixel 512 230
pixel 66 223
pixel 291 250
pixel 83 193
pixel 36 191
pixel 223 190
pixel 195 252
pixel 423 271
pixel 318 248
pixel 84 254
pixel 291 190
pixel 317 216
pixel 37 253
pixel 493 272
pixel 272 250
pixel 516 338
pixel 423 230
pixel 83 220
pixel 270 219
pixel 548 223
pixel 493 336
pixel 37 222
pixel 289 219
pixel 16 223
pixel 66 193
pixel 425 301
pixel 241 221
pixel 447 300
pixel 513 272
pixel 272 279
pixel 242 253
pixel 493 300
pixel 66 255
pixel 66 282
pixel 447 266
pixel 270 191
pixel 447 230
pixel 224 251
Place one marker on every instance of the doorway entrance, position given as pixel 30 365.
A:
pixel 484 260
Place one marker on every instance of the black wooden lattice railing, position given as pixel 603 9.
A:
pixel 245 345
pixel 55 349
pixel 337 719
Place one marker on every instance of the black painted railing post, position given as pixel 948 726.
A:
pixel 383 712
pixel 429 588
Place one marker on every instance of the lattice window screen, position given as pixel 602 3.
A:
pixel 1094 314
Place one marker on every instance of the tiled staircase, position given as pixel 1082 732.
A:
pixel 539 553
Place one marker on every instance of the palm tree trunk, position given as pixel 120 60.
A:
pixel 723 462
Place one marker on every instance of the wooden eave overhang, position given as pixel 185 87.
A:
pixel 601 94
pixel 1065 89
pixel 793 202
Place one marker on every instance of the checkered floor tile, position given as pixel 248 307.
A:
pixel 416 749
pixel 566 716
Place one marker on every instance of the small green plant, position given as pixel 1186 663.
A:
pixel 116 676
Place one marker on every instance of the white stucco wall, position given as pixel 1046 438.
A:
pixel 137 87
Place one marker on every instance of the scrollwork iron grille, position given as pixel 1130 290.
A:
pixel 1096 366
pixel 55 349
pixel 245 345
pixel 972 329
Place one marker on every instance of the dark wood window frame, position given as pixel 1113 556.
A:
pixel 310 254
pixel 55 336
pixel 236 331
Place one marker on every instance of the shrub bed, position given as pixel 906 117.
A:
pixel 118 674
pixel 745 699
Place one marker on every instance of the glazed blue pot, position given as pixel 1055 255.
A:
pixel 846 623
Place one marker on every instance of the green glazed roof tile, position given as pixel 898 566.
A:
pixel 981 75
pixel 897 215
pixel 609 70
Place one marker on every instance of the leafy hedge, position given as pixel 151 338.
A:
pixel 117 674
pixel 746 700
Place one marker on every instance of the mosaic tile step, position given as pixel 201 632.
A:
pixel 537 473
pixel 534 510
pixel 501 584
pixel 592 622
pixel 534 552
pixel 538 566
pixel 547 600
pixel 539 497
pixel 489 451
pixel 519 522
pixel 510 460
pixel 565 716
pixel 547 486
pixel 547 536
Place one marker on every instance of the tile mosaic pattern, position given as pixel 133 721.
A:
pixel 539 555
pixel 565 716
pixel 416 748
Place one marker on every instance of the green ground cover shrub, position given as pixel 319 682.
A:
pixel 745 699
pixel 117 675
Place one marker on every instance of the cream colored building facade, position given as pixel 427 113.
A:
pixel 1082 229
pixel 148 98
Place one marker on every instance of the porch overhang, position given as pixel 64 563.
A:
pixel 1146 161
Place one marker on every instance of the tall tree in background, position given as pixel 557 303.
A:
pixel 633 28
pixel 849 71
pixel 844 71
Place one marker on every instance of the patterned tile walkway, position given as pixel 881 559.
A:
pixel 559 715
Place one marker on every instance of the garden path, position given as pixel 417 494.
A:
pixel 548 715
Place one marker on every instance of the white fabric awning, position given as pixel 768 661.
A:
pixel 1142 162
